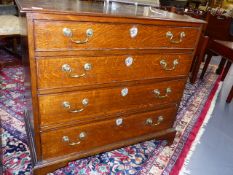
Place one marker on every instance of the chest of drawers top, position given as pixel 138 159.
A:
pixel 99 8
pixel 74 27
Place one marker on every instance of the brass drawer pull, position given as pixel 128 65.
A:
pixel 157 93
pixel 68 33
pixel 170 35
pixel 67 105
pixel 67 68
pixel 164 64
pixel 81 137
pixel 149 121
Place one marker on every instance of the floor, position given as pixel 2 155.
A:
pixel 214 153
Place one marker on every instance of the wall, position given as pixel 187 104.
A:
pixel 227 4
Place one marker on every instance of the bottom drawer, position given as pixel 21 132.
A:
pixel 81 138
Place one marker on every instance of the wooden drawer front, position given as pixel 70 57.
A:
pixel 86 105
pixel 52 73
pixel 50 36
pixel 103 133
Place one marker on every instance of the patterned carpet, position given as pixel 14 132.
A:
pixel 150 157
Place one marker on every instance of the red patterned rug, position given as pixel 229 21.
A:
pixel 150 157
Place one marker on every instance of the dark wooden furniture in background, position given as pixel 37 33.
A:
pixel 230 95
pixel 198 57
pixel 218 28
pixel 9 32
pixel 201 47
pixel 195 2
pixel 225 49
pixel 101 77
pixel 6 2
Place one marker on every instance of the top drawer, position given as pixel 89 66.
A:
pixel 67 35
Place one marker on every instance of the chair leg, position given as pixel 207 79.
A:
pixel 14 45
pixel 226 69
pixel 209 56
pixel 230 95
pixel 221 66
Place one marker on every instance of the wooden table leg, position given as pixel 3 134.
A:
pixel 226 69
pixel 230 95
pixel 209 56
pixel 221 66
pixel 196 63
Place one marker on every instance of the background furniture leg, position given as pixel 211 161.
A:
pixel 228 65
pixel 202 45
pixel 221 66
pixel 230 95
pixel 206 65
pixel 14 49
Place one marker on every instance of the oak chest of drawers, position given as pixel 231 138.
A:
pixel 101 76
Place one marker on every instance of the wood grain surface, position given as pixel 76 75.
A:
pixel 99 8
pixel 105 101
pixel 109 69
pixel 49 36
pixel 103 133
